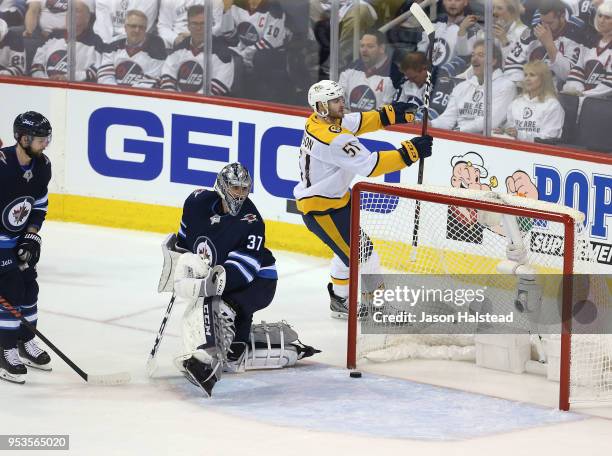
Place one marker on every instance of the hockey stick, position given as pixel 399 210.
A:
pixel 118 378
pixel 428 28
pixel 151 362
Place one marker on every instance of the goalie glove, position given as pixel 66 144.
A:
pixel 190 270
pixel 415 149
pixel 396 113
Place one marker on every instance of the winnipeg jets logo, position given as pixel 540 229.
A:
pixel 16 213
pixel 205 247
pixel 215 219
pixel 2 157
pixel 249 218
pixel 28 175
pixel 440 52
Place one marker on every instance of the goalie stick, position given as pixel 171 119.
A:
pixel 152 362
pixel 428 28
pixel 118 378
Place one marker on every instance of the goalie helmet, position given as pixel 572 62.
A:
pixel 233 186
pixel 322 92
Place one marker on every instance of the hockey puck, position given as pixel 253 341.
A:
pixel 355 374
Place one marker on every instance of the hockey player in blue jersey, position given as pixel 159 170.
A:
pixel 24 175
pixel 225 275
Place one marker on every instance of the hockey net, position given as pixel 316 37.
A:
pixel 461 236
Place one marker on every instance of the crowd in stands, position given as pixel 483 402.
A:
pixel 552 59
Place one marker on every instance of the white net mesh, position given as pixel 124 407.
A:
pixel 467 246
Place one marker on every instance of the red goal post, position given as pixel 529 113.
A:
pixel 478 201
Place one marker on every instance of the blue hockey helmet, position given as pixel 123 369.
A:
pixel 31 123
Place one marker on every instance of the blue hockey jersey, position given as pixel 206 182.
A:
pixel 23 200
pixel 236 242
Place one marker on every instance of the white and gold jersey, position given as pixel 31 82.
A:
pixel 331 156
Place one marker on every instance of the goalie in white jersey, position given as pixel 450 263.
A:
pixel 331 156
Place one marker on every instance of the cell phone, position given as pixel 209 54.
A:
pixel 480 19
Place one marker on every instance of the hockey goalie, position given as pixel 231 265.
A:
pixel 219 266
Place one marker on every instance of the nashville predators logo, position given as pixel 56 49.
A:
pixel 335 129
pixel 16 213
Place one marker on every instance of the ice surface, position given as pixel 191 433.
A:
pixel 99 304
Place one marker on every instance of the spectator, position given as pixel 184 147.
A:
pixel 12 55
pixel 47 17
pixel 536 113
pixel 261 28
pixel 465 111
pixel 414 67
pixel 111 16
pixel 591 76
pixel 51 60
pixel 447 29
pixel 260 33
pixel 11 11
pixel 350 17
pixel 555 40
pixel 136 60
pixel 507 27
pixel 172 23
pixel 367 82
pixel 183 69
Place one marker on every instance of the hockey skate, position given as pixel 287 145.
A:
pixel 202 375
pixel 34 356
pixel 339 306
pixel 12 368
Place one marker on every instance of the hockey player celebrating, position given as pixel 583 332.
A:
pixel 225 275
pixel 330 157
pixel 24 175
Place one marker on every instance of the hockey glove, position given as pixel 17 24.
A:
pixel 417 148
pixel 396 113
pixel 28 248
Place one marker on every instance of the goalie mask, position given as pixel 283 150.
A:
pixel 322 92
pixel 233 186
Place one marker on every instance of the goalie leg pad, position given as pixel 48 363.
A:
pixel 271 346
pixel 171 255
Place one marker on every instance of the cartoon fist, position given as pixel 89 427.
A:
pixel 520 184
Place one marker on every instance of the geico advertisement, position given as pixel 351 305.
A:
pixel 157 151
pixel 151 152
